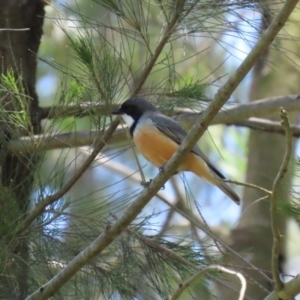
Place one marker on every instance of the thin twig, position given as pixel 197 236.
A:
pixel 169 30
pixel 143 179
pixel 250 185
pixel 178 201
pixel 205 223
pixel 14 29
pixel 73 110
pixel 274 200
pixel 183 286
pixel 267 126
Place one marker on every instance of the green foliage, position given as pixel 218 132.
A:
pixel 76 90
pixel 135 265
pixel 8 81
pixel 113 6
pixel 191 89
pixel 9 211
pixel 290 208
pixel 83 48
pixel 15 112
pixel 189 95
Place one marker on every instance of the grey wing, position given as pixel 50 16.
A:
pixel 174 131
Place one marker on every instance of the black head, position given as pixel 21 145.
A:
pixel 134 107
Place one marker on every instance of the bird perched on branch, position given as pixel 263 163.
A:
pixel 158 136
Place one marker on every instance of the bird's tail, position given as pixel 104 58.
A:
pixel 228 191
pixel 208 172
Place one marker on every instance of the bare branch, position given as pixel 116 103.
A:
pixel 48 141
pixel 268 126
pixel 183 286
pixel 14 29
pixel 241 112
pixel 274 199
pixel 73 109
pixel 230 116
pixel 111 233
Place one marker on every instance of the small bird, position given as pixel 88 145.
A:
pixel 158 136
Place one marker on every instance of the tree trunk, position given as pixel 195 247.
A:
pixel 21 24
pixel 276 73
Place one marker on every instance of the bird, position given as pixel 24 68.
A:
pixel 157 137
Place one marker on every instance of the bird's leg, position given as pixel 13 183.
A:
pixel 147 184
pixel 162 169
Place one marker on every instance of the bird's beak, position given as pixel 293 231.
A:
pixel 116 112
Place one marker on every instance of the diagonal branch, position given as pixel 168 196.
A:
pixel 111 233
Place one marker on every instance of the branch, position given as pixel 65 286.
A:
pixel 40 207
pixel 288 292
pixel 14 29
pixel 249 185
pixel 274 198
pixel 72 110
pixel 183 286
pixel 240 112
pixel 111 233
pixel 48 141
pixel 267 126
pixel 231 116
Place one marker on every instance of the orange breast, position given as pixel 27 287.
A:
pixel 154 145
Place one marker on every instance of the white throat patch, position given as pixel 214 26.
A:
pixel 128 120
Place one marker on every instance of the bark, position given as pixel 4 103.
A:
pixel 274 74
pixel 18 49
